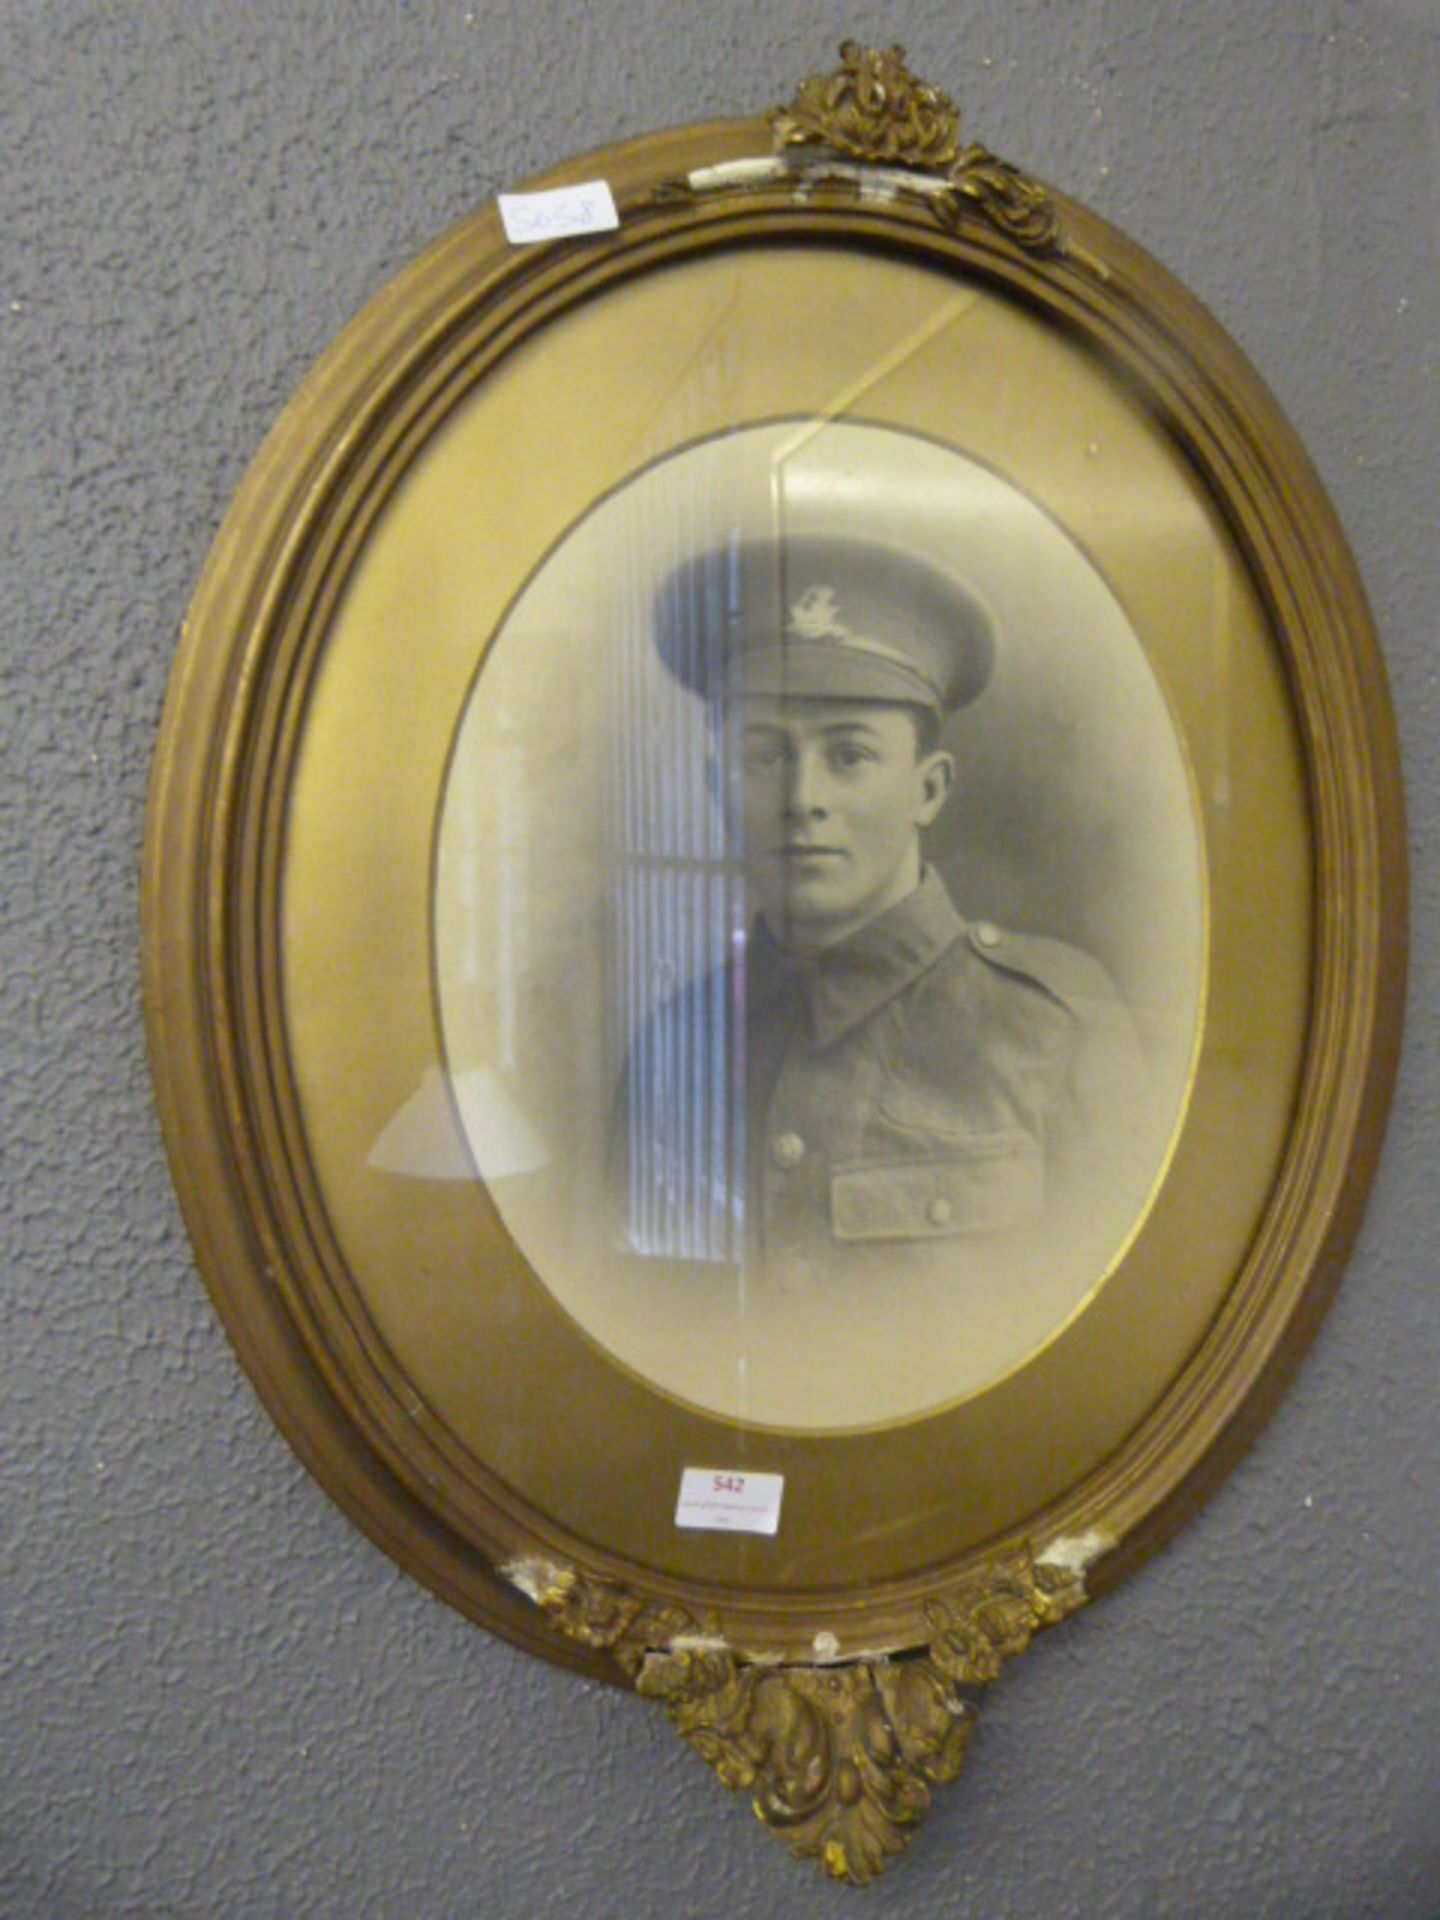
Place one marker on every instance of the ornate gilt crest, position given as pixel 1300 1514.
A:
pixel 872 109
pixel 839 1760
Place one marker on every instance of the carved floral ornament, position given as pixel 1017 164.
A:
pixel 839 1759
pixel 872 109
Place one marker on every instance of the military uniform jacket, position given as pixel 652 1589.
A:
pixel 921 1091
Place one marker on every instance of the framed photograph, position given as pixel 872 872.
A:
pixel 774 920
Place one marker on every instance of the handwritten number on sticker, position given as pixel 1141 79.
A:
pixel 559 213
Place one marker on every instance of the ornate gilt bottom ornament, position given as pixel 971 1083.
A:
pixel 839 1759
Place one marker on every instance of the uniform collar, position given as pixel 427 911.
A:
pixel 848 982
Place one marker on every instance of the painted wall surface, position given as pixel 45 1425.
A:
pixel 219 1699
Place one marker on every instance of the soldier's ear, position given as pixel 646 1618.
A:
pixel 936 776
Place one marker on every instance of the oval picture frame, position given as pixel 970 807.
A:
pixel 391 981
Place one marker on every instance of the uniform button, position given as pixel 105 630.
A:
pixel 987 933
pixel 787 1149
pixel 939 1211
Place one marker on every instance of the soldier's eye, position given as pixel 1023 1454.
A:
pixel 848 754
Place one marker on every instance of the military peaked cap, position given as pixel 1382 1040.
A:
pixel 823 617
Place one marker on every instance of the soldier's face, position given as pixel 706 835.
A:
pixel 830 796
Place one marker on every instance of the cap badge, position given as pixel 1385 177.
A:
pixel 815 616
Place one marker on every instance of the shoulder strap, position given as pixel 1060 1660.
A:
pixel 1064 972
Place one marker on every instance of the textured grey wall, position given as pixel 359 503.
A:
pixel 217 1698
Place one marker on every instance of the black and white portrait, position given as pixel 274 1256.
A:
pixel 819 919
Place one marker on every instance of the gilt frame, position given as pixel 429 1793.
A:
pixel 836 1700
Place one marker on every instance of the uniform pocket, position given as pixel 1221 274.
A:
pixel 997 1183
pixel 915 1118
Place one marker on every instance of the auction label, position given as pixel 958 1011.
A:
pixel 730 1502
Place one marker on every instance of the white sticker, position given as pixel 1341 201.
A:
pixel 556 215
pixel 720 1498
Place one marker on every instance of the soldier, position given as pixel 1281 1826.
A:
pixel 916 1086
